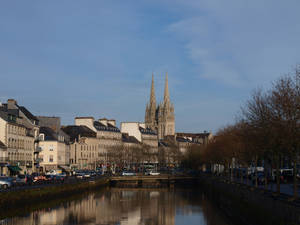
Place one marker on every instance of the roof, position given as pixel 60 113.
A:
pixel 50 135
pixel 182 139
pixel 163 144
pixel 27 113
pixel 52 122
pixel 75 131
pixel 2 145
pixel 194 135
pixel 147 131
pixel 102 127
pixel 11 114
pixel 129 139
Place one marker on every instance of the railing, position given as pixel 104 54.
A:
pixel 38 160
pixel 37 149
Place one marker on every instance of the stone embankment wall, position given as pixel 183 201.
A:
pixel 250 206
pixel 27 197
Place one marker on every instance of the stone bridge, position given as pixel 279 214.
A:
pixel 150 181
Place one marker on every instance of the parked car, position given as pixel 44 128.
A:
pixel 260 178
pixel 128 173
pixel 287 175
pixel 37 178
pixel 60 178
pixel 79 175
pixel 152 173
pixel 6 182
pixel 20 180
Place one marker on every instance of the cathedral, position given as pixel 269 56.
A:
pixel 160 118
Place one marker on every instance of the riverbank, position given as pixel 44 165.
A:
pixel 250 206
pixel 37 196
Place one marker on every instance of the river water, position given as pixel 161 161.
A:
pixel 128 207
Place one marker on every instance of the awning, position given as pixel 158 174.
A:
pixel 14 168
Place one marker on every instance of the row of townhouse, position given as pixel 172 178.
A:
pixel 31 143
pixel 19 131
pixel 38 144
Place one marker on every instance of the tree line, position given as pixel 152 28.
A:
pixel 266 132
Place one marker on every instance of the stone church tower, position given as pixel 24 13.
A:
pixel 160 118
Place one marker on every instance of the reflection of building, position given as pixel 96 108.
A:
pixel 125 206
pixel 160 118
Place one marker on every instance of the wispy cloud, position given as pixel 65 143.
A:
pixel 239 43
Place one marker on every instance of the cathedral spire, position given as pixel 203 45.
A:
pixel 152 94
pixel 166 95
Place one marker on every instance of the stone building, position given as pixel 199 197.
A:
pixel 85 151
pixel 55 150
pixel 106 131
pixel 160 118
pixel 146 137
pixel 18 132
pixel 185 140
pixel 3 159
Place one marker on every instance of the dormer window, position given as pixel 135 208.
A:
pixel 42 137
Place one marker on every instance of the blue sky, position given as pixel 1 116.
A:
pixel 95 58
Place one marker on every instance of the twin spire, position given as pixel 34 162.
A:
pixel 166 93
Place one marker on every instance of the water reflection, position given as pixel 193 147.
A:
pixel 128 207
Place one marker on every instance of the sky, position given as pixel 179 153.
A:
pixel 95 58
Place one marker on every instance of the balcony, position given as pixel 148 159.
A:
pixel 38 160
pixel 37 149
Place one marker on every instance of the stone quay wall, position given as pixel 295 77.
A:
pixel 250 206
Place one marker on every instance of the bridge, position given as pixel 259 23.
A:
pixel 150 181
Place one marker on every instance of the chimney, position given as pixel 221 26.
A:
pixel 103 121
pixel 85 121
pixel 11 103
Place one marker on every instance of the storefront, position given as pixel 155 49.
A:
pixel 14 170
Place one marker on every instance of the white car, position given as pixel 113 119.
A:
pixel 154 173
pixel 6 182
pixel 127 173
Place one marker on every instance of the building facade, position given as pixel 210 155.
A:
pixel 160 118
pixel 55 150
pixel 185 140
pixel 85 151
pixel 18 133
pixel 147 138
pixel 107 133
pixel 3 159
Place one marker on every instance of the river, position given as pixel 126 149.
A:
pixel 128 207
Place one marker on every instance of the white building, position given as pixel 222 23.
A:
pixel 146 136
pixel 55 150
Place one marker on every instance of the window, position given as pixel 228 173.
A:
pixel 51 158
pixel 51 148
pixel 41 137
